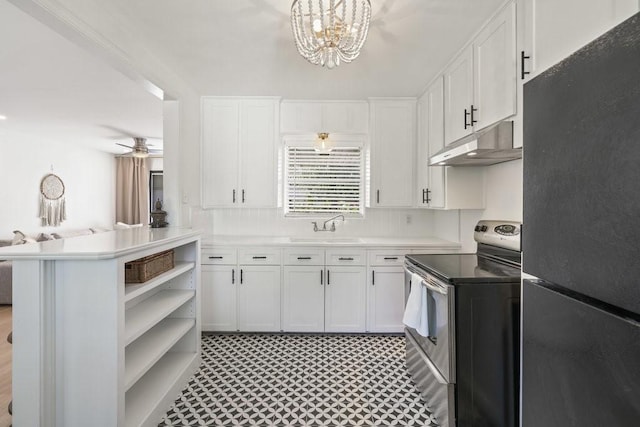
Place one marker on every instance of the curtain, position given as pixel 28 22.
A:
pixel 132 190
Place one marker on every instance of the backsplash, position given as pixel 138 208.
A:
pixel 271 222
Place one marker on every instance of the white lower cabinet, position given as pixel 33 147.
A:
pixel 344 307
pixel 385 290
pixel 324 298
pixel 219 298
pixel 259 298
pixel 386 299
pixel 303 290
pixel 241 290
pixel 303 298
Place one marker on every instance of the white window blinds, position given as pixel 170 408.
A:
pixel 323 183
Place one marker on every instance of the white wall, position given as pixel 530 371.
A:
pixel 88 176
pixel 503 201
pixel 271 222
pixel 503 191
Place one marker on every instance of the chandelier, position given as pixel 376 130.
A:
pixel 330 35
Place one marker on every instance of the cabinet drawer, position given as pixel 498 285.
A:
pixel 303 256
pixel 219 256
pixel 391 258
pixel 345 257
pixel 259 256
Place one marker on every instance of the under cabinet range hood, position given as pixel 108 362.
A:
pixel 487 147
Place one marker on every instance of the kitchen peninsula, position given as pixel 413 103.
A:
pixel 90 350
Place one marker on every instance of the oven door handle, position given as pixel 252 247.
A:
pixel 429 283
pixel 434 286
pixel 436 373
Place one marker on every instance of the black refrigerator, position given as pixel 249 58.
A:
pixel 581 237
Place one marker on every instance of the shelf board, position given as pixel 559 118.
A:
pixel 133 290
pixel 144 316
pixel 143 399
pixel 143 353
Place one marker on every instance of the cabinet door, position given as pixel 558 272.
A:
pixel 303 299
pixel 422 153
pixel 385 299
pixel 393 141
pixel 301 117
pixel 344 117
pixel 458 96
pixel 345 299
pixel 494 62
pixel 435 136
pixel 219 298
pixel 220 141
pixel 259 298
pixel 555 29
pixel 258 154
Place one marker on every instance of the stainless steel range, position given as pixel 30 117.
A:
pixel 463 351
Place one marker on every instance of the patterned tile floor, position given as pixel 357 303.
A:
pixel 300 380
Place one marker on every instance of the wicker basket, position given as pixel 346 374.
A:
pixel 143 269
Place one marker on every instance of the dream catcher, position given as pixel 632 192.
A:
pixel 52 205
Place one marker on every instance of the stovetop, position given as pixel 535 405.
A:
pixel 465 268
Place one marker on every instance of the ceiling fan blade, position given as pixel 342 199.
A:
pixel 122 145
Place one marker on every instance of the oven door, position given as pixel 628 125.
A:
pixel 438 345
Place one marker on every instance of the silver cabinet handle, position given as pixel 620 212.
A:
pixel 391 258
pixel 304 257
pixel 345 259
pixel 216 257
pixel 259 257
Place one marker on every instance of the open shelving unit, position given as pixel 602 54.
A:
pixel 94 350
pixel 161 339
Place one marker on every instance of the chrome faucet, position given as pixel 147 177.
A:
pixel 324 225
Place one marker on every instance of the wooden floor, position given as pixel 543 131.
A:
pixel 5 365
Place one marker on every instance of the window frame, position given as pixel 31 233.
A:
pixel 308 141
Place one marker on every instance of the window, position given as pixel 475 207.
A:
pixel 319 183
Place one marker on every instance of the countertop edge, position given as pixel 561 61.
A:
pixel 46 251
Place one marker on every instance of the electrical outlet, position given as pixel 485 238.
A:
pixel 409 219
pixel 185 199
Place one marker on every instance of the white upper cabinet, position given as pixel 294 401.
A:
pixel 552 29
pixel 494 86
pixel 393 134
pixel 323 116
pixel 442 187
pixel 239 138
pixel 458 84
pixel 220 149
pixel 480 83
pixel 257 153
pixel 434 193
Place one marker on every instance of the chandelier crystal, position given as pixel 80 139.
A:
pixel 331 31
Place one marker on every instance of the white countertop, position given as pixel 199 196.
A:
pixel 110 244
pixel 329 241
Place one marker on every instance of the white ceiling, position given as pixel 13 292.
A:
pixel 219 47
pixel 52 90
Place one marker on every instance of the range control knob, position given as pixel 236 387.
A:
pixel 483 228
pixel 477 228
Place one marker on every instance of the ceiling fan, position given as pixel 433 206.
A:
pixel 140 147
